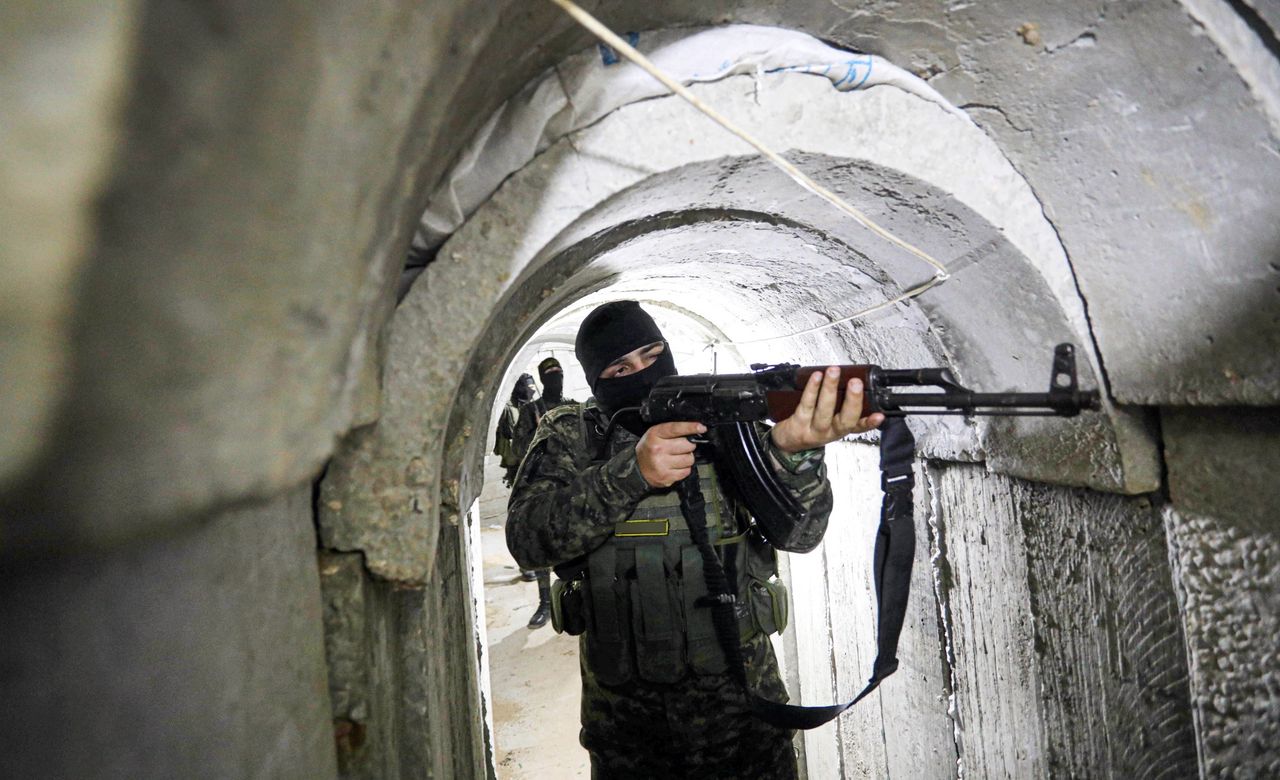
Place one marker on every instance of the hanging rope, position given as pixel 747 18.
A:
pixel 619 45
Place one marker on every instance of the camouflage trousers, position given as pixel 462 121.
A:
pixel 700 727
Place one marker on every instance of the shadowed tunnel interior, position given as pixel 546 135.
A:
pixel 272 269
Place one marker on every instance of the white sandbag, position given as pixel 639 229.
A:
pixel 594 83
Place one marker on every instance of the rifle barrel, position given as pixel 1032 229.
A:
pixel 968 402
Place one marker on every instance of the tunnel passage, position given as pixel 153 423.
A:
pixel 599 215
pixel 222 299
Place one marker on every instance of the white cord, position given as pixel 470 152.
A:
pixel 940 273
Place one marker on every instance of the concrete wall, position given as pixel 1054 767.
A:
pixel 196 655
pixel 905 728
pixel 1042 638
pixel 1224 546
pixel 404 683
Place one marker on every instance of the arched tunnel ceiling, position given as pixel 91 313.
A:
pixel 794 263
pixel 1141 128
pixel 550 185
pixel 523 256
pixel 1124 279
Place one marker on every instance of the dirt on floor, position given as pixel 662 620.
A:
pixel 534 677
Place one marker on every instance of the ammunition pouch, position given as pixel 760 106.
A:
pixel 608 642
pixel 766 596
pixel 568 607
pixel 769 607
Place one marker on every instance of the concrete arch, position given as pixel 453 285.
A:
pixel 516 230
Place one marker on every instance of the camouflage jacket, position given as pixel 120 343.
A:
pixel 527 422
pixel 505 437
pixel 564 504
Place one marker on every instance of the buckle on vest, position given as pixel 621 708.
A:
pixel 710 600
pixel 891 480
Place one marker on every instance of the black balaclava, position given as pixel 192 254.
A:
pixel 552 376
pixel 524 390
pixel 609 332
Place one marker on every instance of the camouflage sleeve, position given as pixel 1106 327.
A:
pixel 526 425
pixel 505 433
pixel 805 475
pixel 563 507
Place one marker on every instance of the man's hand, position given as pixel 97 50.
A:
pixel 816 421
pixel 665 455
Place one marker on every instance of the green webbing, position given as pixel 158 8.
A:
pixel 697 616
pixel 655 605
pixel 602 565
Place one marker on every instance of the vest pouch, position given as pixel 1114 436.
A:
pixel 608 645
pixel 655 617
pixel 568 607
pixel 769 607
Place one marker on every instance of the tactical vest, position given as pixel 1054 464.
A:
pixel 642 593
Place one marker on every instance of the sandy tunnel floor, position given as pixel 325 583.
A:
pixel 534 674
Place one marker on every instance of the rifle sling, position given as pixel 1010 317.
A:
pixel 893 557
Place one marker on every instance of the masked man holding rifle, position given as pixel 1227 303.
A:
pixel 602 507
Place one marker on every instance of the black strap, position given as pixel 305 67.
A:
pixel 720 596
pixel 893 558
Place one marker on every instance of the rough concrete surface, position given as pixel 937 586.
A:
pixel 1002 728
pixel 1224 540
pixel 1228 580
pixel 1225 463
pixel 282 125
pixel 534 683
pixel 196 656
pixel 1105 141
pixel 404 672
pixel 904 728
pixel 364 639
pixel 1108 639
pixel 1043 636
pixel 244 254
pixel 1062 630
pixel 261 115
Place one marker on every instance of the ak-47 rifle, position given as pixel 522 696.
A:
pixel 730 405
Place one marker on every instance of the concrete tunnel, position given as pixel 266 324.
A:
pixel 270 270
